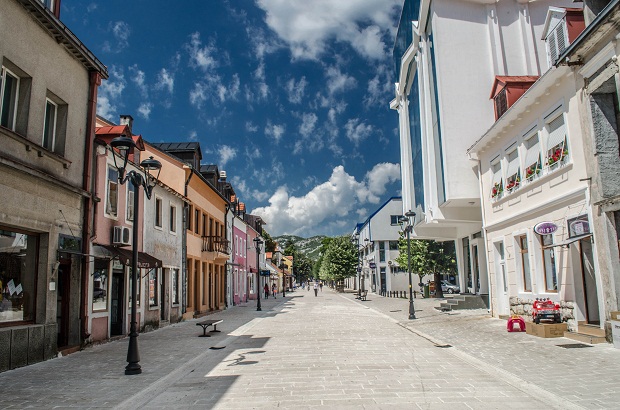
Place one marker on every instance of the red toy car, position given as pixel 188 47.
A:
pixel 545 309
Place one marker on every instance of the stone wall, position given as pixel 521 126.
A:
pixel 523 307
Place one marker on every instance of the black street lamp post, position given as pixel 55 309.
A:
pixel 258 242
pixel 124 144
pixel 406 220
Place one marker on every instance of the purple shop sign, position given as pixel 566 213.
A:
pixel 545 228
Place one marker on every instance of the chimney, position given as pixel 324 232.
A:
pixel 127 120
pixel 223 176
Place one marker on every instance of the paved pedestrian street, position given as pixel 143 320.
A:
pixel 328 351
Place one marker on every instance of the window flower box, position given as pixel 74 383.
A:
pixel 497 191
pixel 558 156
pixel 513 185
pixel 532 172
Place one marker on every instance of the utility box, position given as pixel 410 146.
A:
pixel 546 330
pixel 615 333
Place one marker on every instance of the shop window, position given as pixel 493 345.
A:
pixel 557 150
pixel 131 191
pixel 158 212
pixel 173 218
pixel 153 287
pixel 112 194
pixel 525 263
pixel 100 284
pixel 18 273
pixel 549 267
pixel 175 286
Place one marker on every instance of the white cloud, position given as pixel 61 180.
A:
pixel 296 90
pixel 379 87
pixel 193 136
pixel 275 131
pixel 250 127
pixel 121 32
pixel 198 94
pixel 308 124
pixel 139 79
pixel 165 80
pixel 201 56
pixel 332 204
pixel 144 110
pixel 307 26
pixel 109 93
pixel 358 131
pixel 242 190
pixel 226 153
pixel 337 81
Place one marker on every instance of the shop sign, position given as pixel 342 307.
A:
pixel 545 228
pixel 578 226
pixel 372 265
pixel 264 272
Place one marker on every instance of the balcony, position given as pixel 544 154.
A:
pixel 216 244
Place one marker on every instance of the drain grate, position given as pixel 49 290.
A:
pixel 574 345
pixel 443 346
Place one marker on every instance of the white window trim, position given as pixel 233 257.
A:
pixel 52 146
pixel 161 210
pixel 107 193
pixel 4 71
pixel 129 203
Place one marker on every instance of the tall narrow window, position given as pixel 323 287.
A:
pixel 497 188
pixel 204 225
pixel 175 286
pixel 513 174
pixel 112 197
pixel 131 191
pixel 525 264
pixel 9 85
pixel 381 251
pixel 158 213
pixel 153 287
pixel 557 150
pixel 551 278
pixel 502 264
pixel 532 157
pixel 49 125
pixel 173 218
pixel 196 221
pixel 190 212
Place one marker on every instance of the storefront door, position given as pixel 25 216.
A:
pixel 116 305
pixel 164 300
pixel 62 302
pixel 589 282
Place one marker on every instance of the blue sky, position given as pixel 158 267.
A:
pixel 289 97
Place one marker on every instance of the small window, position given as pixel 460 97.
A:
pixel 100 284
pixel 112 195
pixel 9 87
pixel 173 218
pixel 513 173
pixel 394 219
pixel 393 245
pixel 158 213
pixel 551 278
pixel 525 263
pixel 131 192
pixel 49 125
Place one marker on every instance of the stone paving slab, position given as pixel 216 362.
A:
pixel 307 352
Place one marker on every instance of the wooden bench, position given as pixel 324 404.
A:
pixel 363 294
pixel 206 323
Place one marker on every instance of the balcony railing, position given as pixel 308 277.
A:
pixel 215 244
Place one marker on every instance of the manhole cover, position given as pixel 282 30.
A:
pixel 574 345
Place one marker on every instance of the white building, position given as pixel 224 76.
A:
pixel 447 55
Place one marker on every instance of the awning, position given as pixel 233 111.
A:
pixel 145 261
pixel 573 239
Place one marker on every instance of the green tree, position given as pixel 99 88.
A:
pixel 302 265
pixel 270 245
pixel 428 258
pixel 339 260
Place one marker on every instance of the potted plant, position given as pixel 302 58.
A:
pixel 558 155
pixel 532 171
pixel 497 190
pixel 513 184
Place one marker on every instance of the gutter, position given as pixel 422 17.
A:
pixel 184 243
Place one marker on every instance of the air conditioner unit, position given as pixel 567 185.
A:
pixel 121 235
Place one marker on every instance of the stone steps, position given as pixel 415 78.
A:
pixel 463 302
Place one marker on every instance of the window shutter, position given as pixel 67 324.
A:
pixel 533 152
pixel 513 164
pixel 560 37
pixel 557 132
pixel 552 46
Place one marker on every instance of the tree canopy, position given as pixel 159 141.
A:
pixel 339 261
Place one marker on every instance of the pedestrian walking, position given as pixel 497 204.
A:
pixel 274 290
pixel 316 289
pixel 321 286
pixel 266 289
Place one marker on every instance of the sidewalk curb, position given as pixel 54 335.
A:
pixel 530 389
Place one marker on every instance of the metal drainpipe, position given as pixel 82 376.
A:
pixel 95 82
pixel 184 243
